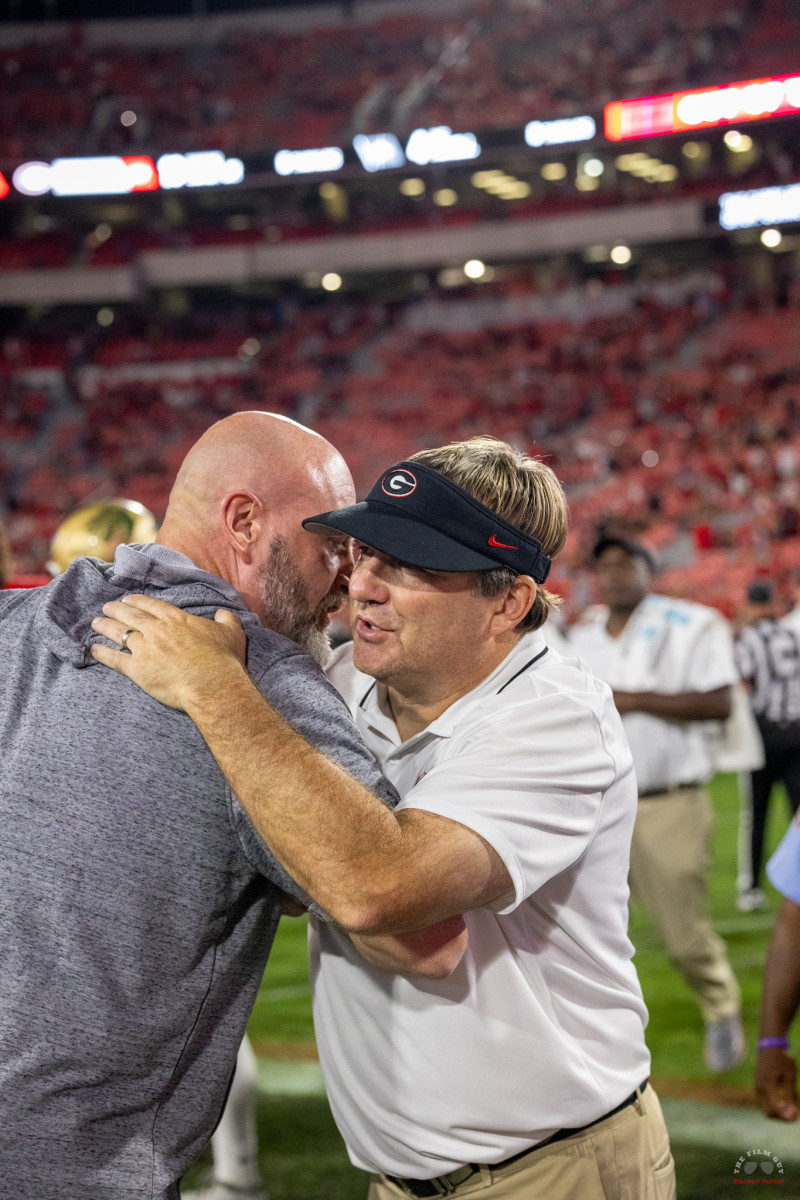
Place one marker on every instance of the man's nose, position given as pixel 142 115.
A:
pixel 365 582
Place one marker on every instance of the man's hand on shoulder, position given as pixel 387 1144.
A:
pixel 172 655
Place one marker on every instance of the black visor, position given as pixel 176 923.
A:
pixel 417 515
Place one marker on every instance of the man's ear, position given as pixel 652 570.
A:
pixel 243 520
pixel 514 603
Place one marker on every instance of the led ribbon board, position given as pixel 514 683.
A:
pixel 441 145
pixel 309 162
pixel 703 108
pixel 560 132
pixel 106 176
pixel 114 175
pixel 763 206
pixel 378 151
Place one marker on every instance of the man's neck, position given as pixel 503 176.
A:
pixel 207 553
pixel 617 620
pixel 416 705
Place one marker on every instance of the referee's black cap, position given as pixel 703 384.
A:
pixel 760 591
pixel 629 545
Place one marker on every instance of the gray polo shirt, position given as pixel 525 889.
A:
pixel 137 903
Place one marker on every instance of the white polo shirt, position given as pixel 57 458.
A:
pixel 667 646
pixel 792 621
pixel 541 1026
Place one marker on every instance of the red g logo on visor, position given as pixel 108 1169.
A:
pixel 398 483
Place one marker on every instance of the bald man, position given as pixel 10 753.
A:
pixel 137 902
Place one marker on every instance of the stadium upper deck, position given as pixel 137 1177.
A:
pixel 251 84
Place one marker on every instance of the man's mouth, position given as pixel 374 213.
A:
pixel 332 604
pixel 366 628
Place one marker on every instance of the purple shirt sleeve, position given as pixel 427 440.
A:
pixel 783 869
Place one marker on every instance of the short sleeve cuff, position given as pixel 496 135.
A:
pixel 491 834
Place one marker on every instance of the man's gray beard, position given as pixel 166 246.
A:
pixel 284 597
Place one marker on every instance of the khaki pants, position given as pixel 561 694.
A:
pixel 626 1157
pixel 669 874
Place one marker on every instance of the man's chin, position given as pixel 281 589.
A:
pixel 318 644
pixel 367 661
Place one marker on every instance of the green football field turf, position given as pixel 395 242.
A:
pixel 302 1156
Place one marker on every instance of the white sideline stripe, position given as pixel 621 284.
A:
pixel 278 1077
pixel 689 1121
pixel 278 995
pixel 648 939
pixel 736 1129
pixel 746 924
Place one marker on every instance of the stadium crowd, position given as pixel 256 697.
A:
pixel 670 405
pixel 482 65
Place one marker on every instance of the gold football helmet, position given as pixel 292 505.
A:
pixel 97 530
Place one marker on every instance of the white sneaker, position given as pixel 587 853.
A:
pixel 226 1191
pixel 724 1046
pixel 751 900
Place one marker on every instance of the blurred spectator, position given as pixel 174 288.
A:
pixel 776 1069
pixel 792 618
pixel 768 659
pixel 234 1144
pixel 671 666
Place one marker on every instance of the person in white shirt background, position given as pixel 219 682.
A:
pixel 670 664
pixel 518 1066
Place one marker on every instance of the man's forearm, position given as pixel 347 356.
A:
pixel 432 953
pixel 371 869
pixel 280 780
pixel 683 706
pixel 780 999
pixel 776 1069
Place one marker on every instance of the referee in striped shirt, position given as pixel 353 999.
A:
pixel 768 659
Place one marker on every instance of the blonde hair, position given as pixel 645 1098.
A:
pixel 523 491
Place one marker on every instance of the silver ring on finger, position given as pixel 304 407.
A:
pixel 125 636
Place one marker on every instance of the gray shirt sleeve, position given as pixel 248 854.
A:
pixel 296 686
